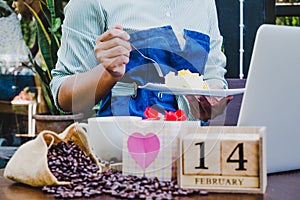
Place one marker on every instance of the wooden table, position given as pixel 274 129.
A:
pixel 280 186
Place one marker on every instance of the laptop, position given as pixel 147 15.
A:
pixel 272 96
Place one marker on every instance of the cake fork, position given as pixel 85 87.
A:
pixel 156 65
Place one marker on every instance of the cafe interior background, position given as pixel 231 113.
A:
pixel 14 76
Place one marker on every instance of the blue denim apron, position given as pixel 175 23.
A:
pixel 160 44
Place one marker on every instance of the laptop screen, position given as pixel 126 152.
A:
pixel 272 94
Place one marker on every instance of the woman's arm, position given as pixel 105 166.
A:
pixel 215 67
pixel 88 66
pixel 85 89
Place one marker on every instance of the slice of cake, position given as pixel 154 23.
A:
pixel 185 79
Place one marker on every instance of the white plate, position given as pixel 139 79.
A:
pixel 186 91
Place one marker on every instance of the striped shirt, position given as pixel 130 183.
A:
pixel 85 21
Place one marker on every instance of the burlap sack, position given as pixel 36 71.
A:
pixel 29 163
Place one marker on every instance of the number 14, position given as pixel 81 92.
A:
pixel 240 160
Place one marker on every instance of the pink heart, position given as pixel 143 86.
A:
pixel 143 148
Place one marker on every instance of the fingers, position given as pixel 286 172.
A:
pixel 113 33
pixel 219 107
pixel 117 71
pixel 205 108
pixel 112 50
pixel 194 105
pixel 229 98
pixel 115 45
pixel 198 109
pixel 118 27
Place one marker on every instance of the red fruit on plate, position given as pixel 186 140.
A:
pixel 151 113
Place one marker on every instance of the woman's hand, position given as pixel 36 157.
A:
pixel 112 51
pixel 206 107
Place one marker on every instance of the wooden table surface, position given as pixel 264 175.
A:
pixel 281 186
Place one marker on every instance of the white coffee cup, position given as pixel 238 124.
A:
pixel 105 135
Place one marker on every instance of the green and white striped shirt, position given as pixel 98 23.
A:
pixel 86 20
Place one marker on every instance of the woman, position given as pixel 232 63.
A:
pixel 97 52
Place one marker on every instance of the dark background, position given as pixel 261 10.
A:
pixel 256 12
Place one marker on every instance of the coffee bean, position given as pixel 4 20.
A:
pixel 67 162
pixel 131 195
pixel 115 186
pixel 124 195
pixel 142 196
pixel 203 193
pixel 77 194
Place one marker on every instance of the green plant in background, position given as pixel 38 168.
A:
pixel 49 42
pixel 29 30
pixel 289 21
pixel 287 1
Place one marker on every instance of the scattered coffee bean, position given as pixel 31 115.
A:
pixel 203 192
pixel 67 162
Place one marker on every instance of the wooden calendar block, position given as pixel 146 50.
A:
pixel 223 159
pixel 240 157
pixel 206 154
